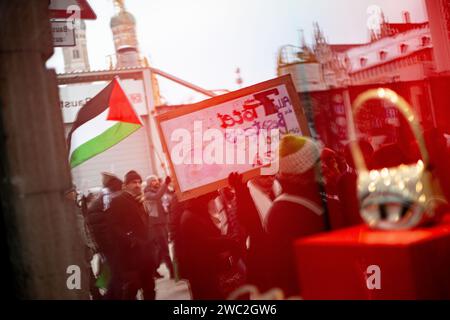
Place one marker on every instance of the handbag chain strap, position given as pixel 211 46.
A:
pixel 401 105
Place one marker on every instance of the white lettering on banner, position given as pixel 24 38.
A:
pixel 209 147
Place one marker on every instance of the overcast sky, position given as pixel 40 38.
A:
pixel 204 41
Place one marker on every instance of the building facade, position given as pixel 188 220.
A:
pixel 402 52
pixel 401 56
pixel 395 52
pixel 439 18
pixel 141 151
pixel 123 27
pixel 76 58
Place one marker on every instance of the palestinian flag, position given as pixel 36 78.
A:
pixel 104 121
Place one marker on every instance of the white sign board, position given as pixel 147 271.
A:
pixel 234 132
pixel 74 96
pixel 63 35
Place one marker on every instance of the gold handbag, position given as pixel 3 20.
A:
pixel 401 197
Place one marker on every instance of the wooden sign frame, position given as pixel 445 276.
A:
pixel 211 103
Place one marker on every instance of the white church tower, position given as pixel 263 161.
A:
pixel 76 58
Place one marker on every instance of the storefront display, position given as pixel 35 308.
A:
pixel 401 197
pixel 364 264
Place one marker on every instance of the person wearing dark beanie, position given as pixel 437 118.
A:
pixel 132 175
pixel 134 260
pixel 111 181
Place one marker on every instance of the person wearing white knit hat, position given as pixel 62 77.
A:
pixel 297 155
pixel 297 212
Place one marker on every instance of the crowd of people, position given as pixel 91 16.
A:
pixel 241 234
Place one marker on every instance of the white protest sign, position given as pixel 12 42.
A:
pixel 238 131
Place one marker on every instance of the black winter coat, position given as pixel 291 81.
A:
pixel 203 253
pixel 131 232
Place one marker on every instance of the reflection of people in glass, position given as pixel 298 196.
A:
pixel 346 185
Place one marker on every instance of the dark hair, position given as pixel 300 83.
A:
pixel 115 184
pixel 200 204
pixel 297 182
pixel 132 175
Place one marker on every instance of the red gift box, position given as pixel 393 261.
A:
pixel 359 263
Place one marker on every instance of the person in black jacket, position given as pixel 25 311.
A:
pixel 133 262
pixel 248 215
pixel 205 255
pixel 97 221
